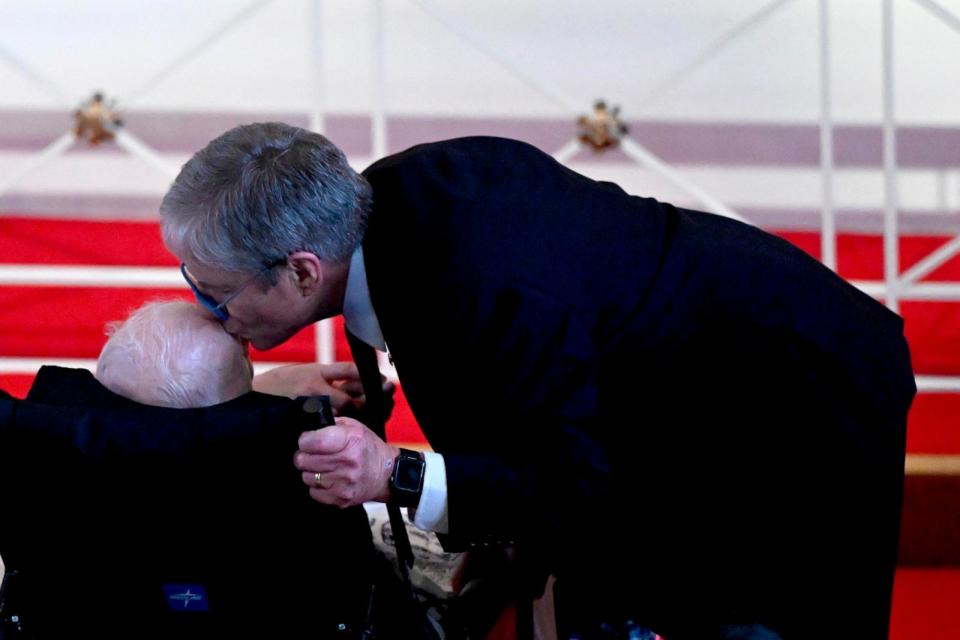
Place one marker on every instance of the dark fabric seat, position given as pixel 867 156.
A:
pixel 130 521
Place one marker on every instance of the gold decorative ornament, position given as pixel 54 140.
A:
pixel 96 120
pixel 603 129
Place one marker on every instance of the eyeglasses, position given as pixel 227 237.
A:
pixel 210 304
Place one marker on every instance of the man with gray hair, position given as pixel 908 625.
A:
pixel 682 366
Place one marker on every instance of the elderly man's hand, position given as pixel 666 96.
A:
pixel 339 380
pixel 354 465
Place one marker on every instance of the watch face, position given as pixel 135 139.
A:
pixel 409 474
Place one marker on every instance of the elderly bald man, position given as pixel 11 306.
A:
pixel 174 354
pixel 150 512
pixel 168 354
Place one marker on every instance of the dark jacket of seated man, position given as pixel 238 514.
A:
pixel 127 536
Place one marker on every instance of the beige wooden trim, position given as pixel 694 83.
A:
pixel 928 464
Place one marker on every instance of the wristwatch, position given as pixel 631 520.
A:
pixel 406 481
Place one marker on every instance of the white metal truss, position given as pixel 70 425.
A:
pixel 192 52
pixel 893 289
pixel 147 277
pixel 709 52
pixel 891 238
pixel 828 227
pixel 36 78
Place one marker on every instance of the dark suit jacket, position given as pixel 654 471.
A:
pixel 105 501
pixel 639 394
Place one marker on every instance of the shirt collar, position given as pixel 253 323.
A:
pixel 358 314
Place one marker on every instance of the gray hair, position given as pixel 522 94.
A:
pixel 159 356
pixel 262 191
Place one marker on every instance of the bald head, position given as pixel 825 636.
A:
pixel 171 354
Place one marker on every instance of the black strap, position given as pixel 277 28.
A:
pixel 374 414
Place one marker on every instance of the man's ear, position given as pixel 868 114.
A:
pixel 308 271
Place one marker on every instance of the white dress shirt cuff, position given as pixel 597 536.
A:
pixel 432 511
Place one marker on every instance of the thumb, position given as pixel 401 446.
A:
pixel 324 441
